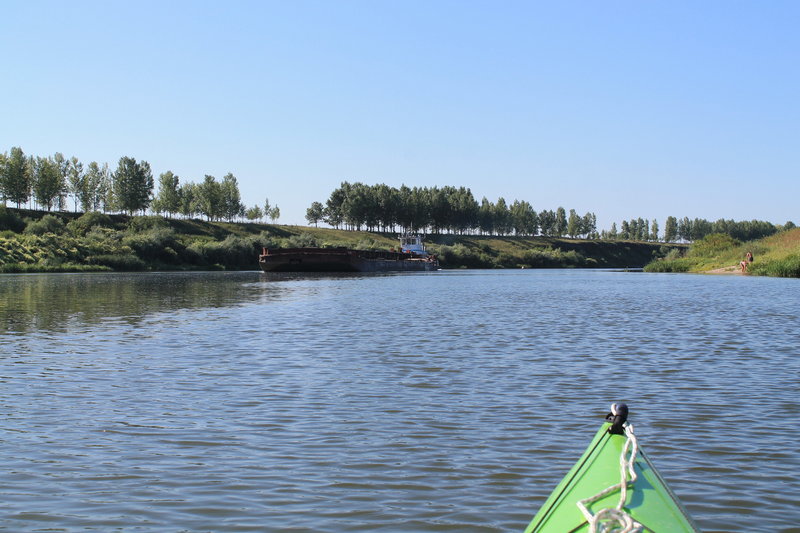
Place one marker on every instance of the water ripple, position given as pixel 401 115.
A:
pixel 451 401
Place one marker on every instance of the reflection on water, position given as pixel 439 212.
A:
pixel 445 401
pixel 57 301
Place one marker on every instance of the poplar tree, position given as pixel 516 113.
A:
pixel 561 222
pixel 132 185
pixel 625 231
pixel 15 178
pixel 486 216
pixel 314 213
pixel 209 198
pixel 386 203
pixel 95 193
pixel 685 229
pixel 523 218
pixel 188 203
pixel 671 229
pixel 231 199
pixel 48 182
pixel 466 211
pixel 62 163
pixel 547 222
pixel 573 224
pixel 502 218
pixel 267 206
pixel 643 227
pixel 356 208
pixel 76 179
pixel 255 213
pixel 333 209
pixel 420 208
pixel 403 213
pixel 168 199
pixel 589 225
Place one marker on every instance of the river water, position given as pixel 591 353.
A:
pixel 444 401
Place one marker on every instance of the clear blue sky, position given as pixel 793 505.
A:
pixel 627 109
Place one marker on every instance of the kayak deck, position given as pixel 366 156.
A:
pixel 648 501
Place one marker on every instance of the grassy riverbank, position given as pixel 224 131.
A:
pixel 777 255
pixel 32 241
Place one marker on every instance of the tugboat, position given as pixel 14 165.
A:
pixel 411 257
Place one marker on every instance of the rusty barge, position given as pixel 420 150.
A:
pixel 411 257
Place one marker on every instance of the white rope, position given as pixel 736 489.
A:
pixel 615 519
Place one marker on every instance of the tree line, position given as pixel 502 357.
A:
pixel 690 230
pixel 455 210
pixel 442 210
pixel 50 182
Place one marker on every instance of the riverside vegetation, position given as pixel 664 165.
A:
pixel 777 255
pixel 34 241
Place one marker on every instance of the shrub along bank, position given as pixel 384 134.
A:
pixel 69 242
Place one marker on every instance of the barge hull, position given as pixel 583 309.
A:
pixel 342 260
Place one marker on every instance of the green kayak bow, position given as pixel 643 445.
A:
pixel 612 488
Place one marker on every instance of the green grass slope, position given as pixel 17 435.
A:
pixel 777 255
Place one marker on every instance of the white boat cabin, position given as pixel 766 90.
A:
pixel 412 244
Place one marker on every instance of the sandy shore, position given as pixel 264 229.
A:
pixel 735 269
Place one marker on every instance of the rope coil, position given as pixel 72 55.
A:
pixel 615 519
